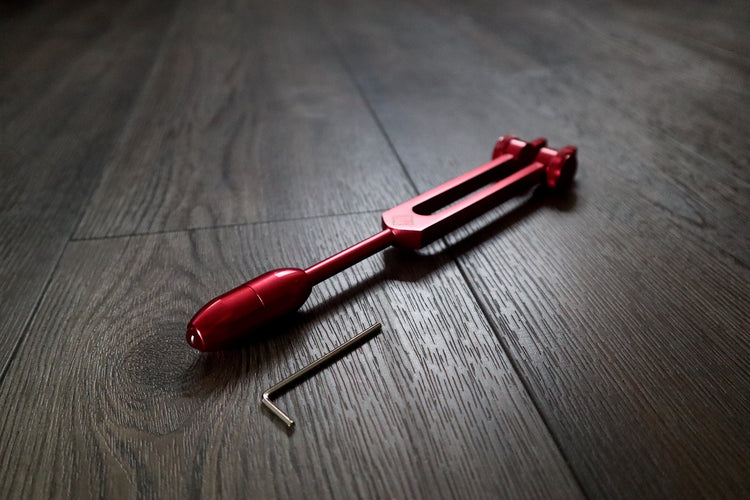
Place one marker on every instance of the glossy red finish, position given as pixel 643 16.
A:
pixel 516 166
pixel 337 263
pixel 232 315
pixel 560 166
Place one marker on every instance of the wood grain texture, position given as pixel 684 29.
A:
pixel 41 42
pixel 679 112
pixel 106 399
pixel 624 305
pixel 718 30
pixel 54 140
pixel 248 117
pixel 591 345
pixel 634 106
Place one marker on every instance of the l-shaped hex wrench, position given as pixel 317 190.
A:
pixel 266 398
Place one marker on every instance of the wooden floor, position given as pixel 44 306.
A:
pixel 156 154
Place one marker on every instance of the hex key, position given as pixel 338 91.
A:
pixel 266 398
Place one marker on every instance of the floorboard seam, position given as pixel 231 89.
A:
pixel 32 315
pixel 158 53
pixel 30 319
pixel 226 226
pixel 516 368
pixel 370 109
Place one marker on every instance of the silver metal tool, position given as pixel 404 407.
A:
pixel 266 398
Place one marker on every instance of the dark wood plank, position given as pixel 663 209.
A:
pixel 105 398
pixel 624 305
pixel 718 29
pixel 42 40
pixel 636 343
pixel 54 143
pixel 248 117
pixel 672 92
pixel 492 83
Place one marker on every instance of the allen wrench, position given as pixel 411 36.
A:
pixel 296 377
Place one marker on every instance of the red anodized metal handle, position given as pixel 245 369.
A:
pixel 516 166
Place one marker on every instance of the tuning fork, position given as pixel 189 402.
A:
pixel 516 166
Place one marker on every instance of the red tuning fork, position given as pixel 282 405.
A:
pixel 516 166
